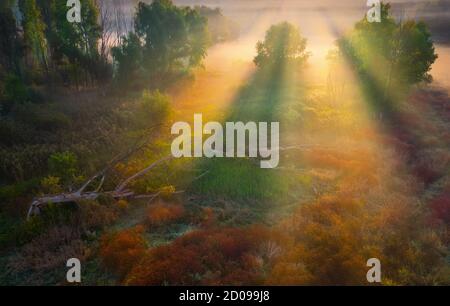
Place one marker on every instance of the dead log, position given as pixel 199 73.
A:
pixel 38 203
pixel 119 193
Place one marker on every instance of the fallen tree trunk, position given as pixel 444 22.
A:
pixel 38 203
pixel 119 193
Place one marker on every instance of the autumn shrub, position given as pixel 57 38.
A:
pixel 440 207
pixel 164 213
pixel 94 216
pixel 167 192
pixel 329 241
pixel 208 217
pixel 119 251
pixel 412 251
pixel 123 204
pixel 429 165
pixel 349 161
pixel 51 185
pixel 327 246
pixel 221 256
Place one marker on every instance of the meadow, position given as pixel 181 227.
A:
pixel 364 167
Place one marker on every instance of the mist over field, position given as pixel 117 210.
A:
pixel 103 157
pixel 322 21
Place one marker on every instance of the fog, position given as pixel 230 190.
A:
pixel 321 22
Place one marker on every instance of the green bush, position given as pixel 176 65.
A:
pixel 15 91
pixel 11 192
pixel 42 117
pixel 13 132
pixel 153 108
pixel 63 165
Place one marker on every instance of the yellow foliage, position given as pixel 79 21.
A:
pixel 123 204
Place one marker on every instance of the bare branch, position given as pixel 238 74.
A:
pixel 141 173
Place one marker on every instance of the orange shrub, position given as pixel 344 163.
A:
pixel 440 207
pixel 123 204
pixel 329 241
pixel 164 213
pixel 327 246
pixel 228 256
pixel 121 250
pixel 208 218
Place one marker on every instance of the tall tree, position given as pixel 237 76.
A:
pixel 34 32
pixel 282 44
pixel 74 46
pixel 173 38
pixel 389 50
pixel 220 27
pixel 11 46
pixel 128 58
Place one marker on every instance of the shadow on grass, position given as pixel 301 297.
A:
pixel 261 100
pixel 385 106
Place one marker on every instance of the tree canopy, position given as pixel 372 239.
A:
pixel 169 39
pixel 390 50
pixel 282 43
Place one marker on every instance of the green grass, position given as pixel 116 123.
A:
pixel 237 178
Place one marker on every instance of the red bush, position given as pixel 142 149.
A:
pixel 220 257
pixel 164 213
pixel 440 207
pixel 121 250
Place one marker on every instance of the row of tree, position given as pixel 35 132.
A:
pixel 167 39
pixel 39 46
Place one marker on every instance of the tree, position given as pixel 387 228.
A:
pixel 198 37
pixel 282 44
pixel 12 86
pixel 74 46
pixel 167 39
pixel 388 50
pixel 34 32
pixel 11 45
pixel 220 27
pixel 128 58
